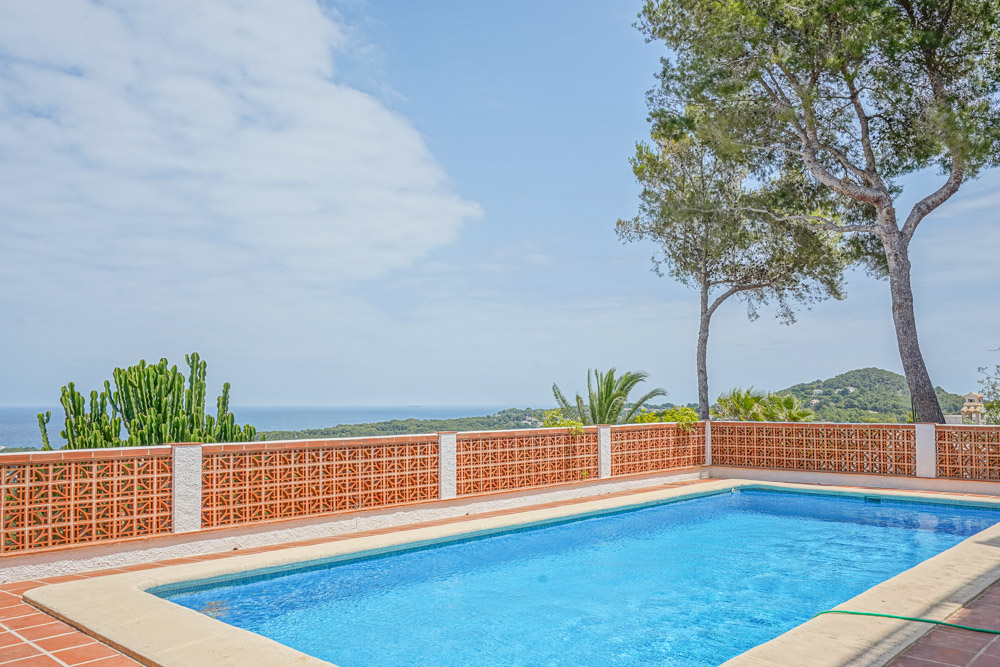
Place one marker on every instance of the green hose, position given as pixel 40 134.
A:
pixel 908 618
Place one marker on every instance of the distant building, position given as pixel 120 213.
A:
pixel 972 408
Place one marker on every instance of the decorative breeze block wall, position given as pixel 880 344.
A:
pixel 264 481
pixel 63 498
pixel 59 499
pixel 880 449
pixel 642 448
pixel 489 461
pixel 968 452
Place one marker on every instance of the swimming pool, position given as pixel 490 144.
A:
pixel 693 582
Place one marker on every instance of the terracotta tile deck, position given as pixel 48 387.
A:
pixel 952 647
pixel 31 638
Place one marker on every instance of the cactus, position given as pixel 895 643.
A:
pixel 152 405
pixel 43 419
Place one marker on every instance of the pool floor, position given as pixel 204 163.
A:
pixel 687 583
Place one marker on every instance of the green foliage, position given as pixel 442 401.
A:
pixel 785 408
pixel 152 404
pixel 608 402
pixel 832 103
pixel 555 419
pixel 683 417
pixel 780 84
pixel 741 405
pixel 708 216
pixel 876 389
pixel 748 405
pixel 865 395
pixel 697 208
pixel 505 420
pixel 990 383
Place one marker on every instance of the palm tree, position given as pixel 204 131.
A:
pixel 785 408
pixel 609 403
pixel 745 405
pixel 741 405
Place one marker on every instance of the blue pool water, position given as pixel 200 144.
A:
pixel 687 583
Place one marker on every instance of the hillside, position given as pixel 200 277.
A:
pixel 864 395
pixel 505 419
pixel 511 418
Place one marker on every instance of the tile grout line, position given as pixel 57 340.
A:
pixel 95 661
pixel 982 650
pixel 33 645
pixel 31 610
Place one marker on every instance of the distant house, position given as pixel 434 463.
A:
pixel 817 391
pixel 972 408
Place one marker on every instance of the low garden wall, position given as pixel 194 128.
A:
pixel 878 449
pixel 59 499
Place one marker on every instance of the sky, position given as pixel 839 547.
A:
pixel 374 202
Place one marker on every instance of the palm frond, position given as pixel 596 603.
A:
pixel 561 400
pixel 607 396
pixel 582 410
pixel 645 398
pixel 594 399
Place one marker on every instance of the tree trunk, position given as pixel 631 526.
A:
pixel 703 355
pixel 925 401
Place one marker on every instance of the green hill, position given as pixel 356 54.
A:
pixel 511 418
pixel 864 395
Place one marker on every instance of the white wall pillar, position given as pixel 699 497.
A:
pixel 926 450
pixel 186 487
pixel 447 464
pixel 604 452
pixel 708 442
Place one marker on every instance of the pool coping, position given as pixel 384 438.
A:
pixel 119 610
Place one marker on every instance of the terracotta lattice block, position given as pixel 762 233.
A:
pixel 643 448
pixel 507 460
pixel 881 449
pixel 968 452
pixel 50 501
pixel 246 484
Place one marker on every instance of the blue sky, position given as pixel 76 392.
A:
pixel 386 203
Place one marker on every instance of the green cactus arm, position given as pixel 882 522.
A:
pixel 43 419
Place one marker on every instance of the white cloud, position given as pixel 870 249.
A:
pixel 195 175
pixel 207 142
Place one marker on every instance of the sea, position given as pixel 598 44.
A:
pixel 19 424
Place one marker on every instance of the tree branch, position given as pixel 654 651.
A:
pixel 866 142
pixel 811 146
pixel 736 289
pixel 923 207
pixel 785 149
pixel 782 102
pixel 847 164
pixel 815 221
